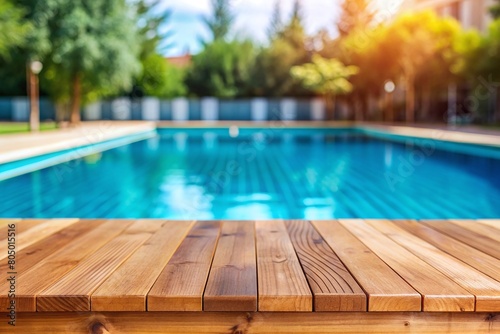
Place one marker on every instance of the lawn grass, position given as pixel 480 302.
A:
pixel 11 127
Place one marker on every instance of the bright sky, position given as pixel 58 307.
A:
pixel 252 18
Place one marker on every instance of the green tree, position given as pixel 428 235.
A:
pixel 89 48
pixel 13 29
pixel 222 69
pixel 271 72
pixel 152 20
pixel 446 33
pixel 424 51
pixel 221 21
pixel 276 24
pixel 161 79
pixel 158 78
pixel 326 77
pixel 489 49
pixel 486 67
pixel 424 45
pixel 365 49
pixel 294 32
pixel 495 10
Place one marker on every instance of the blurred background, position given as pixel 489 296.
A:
pixel 427 61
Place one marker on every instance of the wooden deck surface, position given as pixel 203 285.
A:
pixel 266 267
pixel 269 266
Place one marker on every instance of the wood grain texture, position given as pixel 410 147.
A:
pixel 232 283
pixel 181 284
pixel 486 289
pixel 126 289
pixel 282 284
pixel 386 290
pixel 72 291
pixel 333 287
pixel 32 255
pixel 51 269
pixel 4 226
pixel 256 323
pixel 495 223
pixel 29 232
pixel 22 225
pixel 70 265
pixel 440 294
pixel 479 228
pixel 479 241
pixel 483 262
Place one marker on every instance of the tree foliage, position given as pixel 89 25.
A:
pixel 161 79
pixel 92 48
pixel 222 69
pixel 323 76
pixel 487 62
pixel 276 24
pixel 221 21
pixel 421 51
pixel 157 78
pixel 294 32
pixel 271 72
pixel 96 49
pixel 425 49
pixel 495 10
pixel 355 14
pixel 326 77
pixel 13 29
pixel 153 33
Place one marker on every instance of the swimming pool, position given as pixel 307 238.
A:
pixel 264 174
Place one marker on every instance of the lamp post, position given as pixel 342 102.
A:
pixel 34 68
pixel 389 88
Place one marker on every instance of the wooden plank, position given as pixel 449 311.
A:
pixel 181 284
pixel 333 287
pixel 4 222
pixel 256 323
pixel 22 225
pixel 232 283
pixel 473 257
pixel 477 227
pixel 481 242
pixel 282 285
pixel 30 231
pixel 34 254
pixel 386 290
pixel 126 289
pixel 48 271
pixel 495 223
pixel 440 294
pixel 72 292
pixel 486 289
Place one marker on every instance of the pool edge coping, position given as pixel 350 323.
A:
pixel 120 129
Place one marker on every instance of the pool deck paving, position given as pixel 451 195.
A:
pixel 26 145
pixel 279 276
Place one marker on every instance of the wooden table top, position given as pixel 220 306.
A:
pixel 76 265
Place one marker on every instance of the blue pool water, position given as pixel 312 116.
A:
pixel 263 174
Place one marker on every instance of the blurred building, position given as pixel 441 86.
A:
pixel 471 13
pixel 180 61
